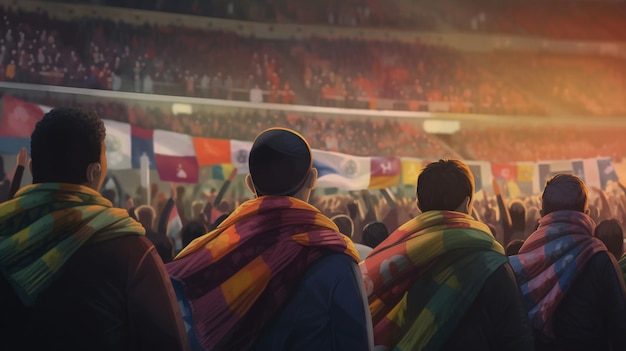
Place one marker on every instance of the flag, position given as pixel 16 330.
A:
pixel 588 171
pixel 504 171
pixel 222 172
pixel 212 151
pixel 341 171
pixel 526 176
pixel 239 152
pixel 607 171
pixel 525 172
pixel 385 172
pixel 19 117
pixel 547 169
pixel 175 157
pixel 411 168
pixel 118 144
pixel 141 142
pixel 17 123
pixel 174 226
pixel 482 174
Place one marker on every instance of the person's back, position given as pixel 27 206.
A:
pixel 276 274
pixel 451 287
pixel 592 314
pixel 98 303
pixel 84 277
pixel 572 285
pixel 324 313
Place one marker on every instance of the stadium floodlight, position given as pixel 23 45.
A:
pixel 437 126
pixel 178 109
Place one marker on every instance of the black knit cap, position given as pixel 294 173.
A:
pixel 279 161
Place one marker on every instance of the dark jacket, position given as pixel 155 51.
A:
pixel 112 295
pixel 592 314
pixel 497 320
pixel 163 244
pixel 329 311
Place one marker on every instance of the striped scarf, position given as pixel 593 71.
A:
pixel 444 257
pixel 237 277
pixel 45 224
pixel 550 260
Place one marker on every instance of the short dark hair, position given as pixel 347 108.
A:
pixel 375 233
pixel 65 141
pixel 443 185
pixel 564 192
pixel 192 230
pixel 610 233
pixel 279 161
pixel 513 247
pixel 345 225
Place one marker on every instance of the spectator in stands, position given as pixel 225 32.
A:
pixel 610 233
pixel 346 227
pixel 85 277
pixel 256 94
pixel 443 247
pixel 575 294
pixel 375 233
pixel 513 247
pixel 192 230
pixel 258 286
pixel 164 245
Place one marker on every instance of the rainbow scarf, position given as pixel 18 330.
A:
pixel 445 258
pixel 237 277
pixel 551 259
pixel 45 224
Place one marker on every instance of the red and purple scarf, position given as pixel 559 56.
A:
pixel 549 262
pixel 236 278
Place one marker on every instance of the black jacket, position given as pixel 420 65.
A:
pixel 497 320
pixel 592 315
pixel 112 295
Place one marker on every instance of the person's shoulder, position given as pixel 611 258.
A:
pixel 124 245
pixel 332 266
pixel 600 262
pixel 502 277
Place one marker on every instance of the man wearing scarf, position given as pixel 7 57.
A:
pixel 76 273
pixel 441 281
pixel 573 288
pixel 276 274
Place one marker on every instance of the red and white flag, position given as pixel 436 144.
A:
pixel 175 157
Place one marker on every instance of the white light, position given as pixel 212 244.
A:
pixel 441 126
pixel 181 109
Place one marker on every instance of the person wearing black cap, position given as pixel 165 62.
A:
pixel 276 274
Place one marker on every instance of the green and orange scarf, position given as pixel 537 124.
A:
pixel 445 258
pixel 236 278
pixel 45 224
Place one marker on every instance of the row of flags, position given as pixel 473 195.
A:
pixel 178 157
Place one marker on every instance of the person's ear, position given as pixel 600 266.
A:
pixel 94 173
pixel 250 185
pixel 311 181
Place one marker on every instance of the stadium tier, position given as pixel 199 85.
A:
pixel 328 71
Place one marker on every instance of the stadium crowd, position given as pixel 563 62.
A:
pixel 588 20
pixel 328 72
pixel 300 277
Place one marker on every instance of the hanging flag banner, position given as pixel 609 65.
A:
pixel 341 171
pixel 385 172
pixel 175 157
pixel 118 142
